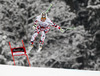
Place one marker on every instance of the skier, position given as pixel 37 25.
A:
pixel 42 24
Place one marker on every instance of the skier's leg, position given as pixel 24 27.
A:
pixel 42 37
pixel 41 41
pixel 34 35
pixel 47 29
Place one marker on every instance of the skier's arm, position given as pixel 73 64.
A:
pixel 53 24
pixel 35 23
pixel 56 26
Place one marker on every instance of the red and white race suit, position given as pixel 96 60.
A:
pixel 42 27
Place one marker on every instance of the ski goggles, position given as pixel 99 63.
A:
pixel 43 17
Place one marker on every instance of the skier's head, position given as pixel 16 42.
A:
pixel 43 16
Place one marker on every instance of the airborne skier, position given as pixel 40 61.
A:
pixel 42 24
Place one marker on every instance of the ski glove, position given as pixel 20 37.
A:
pixel 34 26
pixel 62 30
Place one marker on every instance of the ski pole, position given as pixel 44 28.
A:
pixel 70 28
pixel 48 8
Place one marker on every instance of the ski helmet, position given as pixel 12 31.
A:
pixel 43 16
